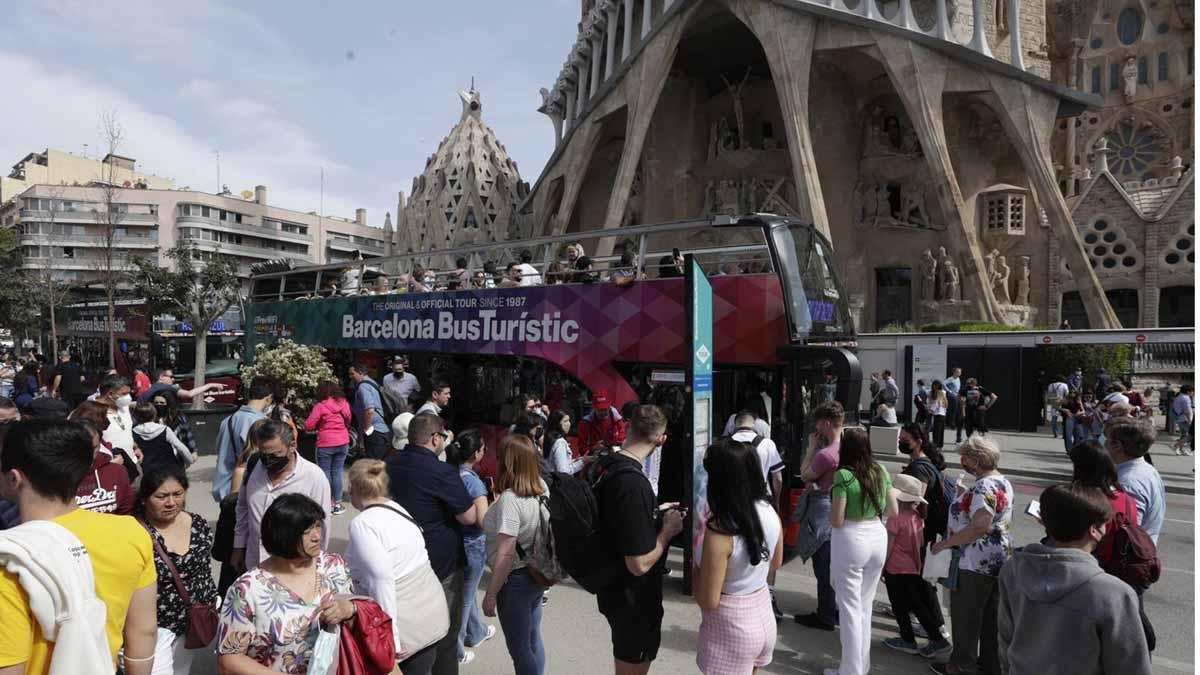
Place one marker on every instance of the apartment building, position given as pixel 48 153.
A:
pixel 55 167
pixel 60 229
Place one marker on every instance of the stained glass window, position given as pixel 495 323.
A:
pixel 1133 150
pixel 1143 71
pixel 1129 26
pixel 1114 76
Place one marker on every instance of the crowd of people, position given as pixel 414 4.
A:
pixel 427 526
pixel 1084 410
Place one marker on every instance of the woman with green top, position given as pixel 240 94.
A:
pixel 862 495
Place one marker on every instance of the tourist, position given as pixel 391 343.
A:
pixel 416 282
pixel 432 492
pixel 513 277
pixel 980 528
pixel 164 381
pixel 742 546
pixel 231 438
pixel 927 465
pixel 818 468
pixel 921 403
pixel 874 388
pixel 976 402
pixel 159 445
pixel 1056 392
pixel 1103 381
pixel 8 370
pixel 954 416
pixel 493 274
pixel 557 448
pixel 583 271
pixel 885 416
pixel 141 381
pixel 166 404
pixel 771 466
pixel 574 252
pixel 1071 409
pixel 25 385
pixel 1183 412
pixel 368 409
pixel 439 398
pixel 1075 381
pixel 465 452
pixel 68 381
pixel 633 603
pixel 860 497
pixel 1128 441
pixel 908 591
pixel 296 587
pixel 402 383
pixel 1058 611
pixel 529 273
pixel 1093 467
pixel 182 544
pixel 557 273
pixel 280 470
pixel 481 280
pixel 1087 422
pixel 387 561
pixel 42 463
pixel 889 391
pixel 1116 396
pixel 938 406
pixel 512 525
pixel 114 396
pixel 667 268
pixel 8 411
pixel 106 488
pixel 626 272
pixel 330 418
pixel 601 429
pixel 400 430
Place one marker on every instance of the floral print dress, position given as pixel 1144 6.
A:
pixel 266 621
pixel 987 554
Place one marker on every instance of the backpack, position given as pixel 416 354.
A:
pixel 1135 557
pixel 541 560
pixel 938 509
pixel 392 404
pixel 578 546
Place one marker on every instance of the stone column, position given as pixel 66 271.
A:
pixel 576 159
pixel 594 81
pixel 1150 291
pixel 1054 286
pixel 570 96
pixel 610 35
pixel 554 111
pixel 1015 58
pixel 580 86
pixel 627 40
pixel 647 19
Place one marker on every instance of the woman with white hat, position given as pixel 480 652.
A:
pixel 908 591
pixel 400 430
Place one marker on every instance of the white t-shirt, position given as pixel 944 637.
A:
pixel 515 516
pixel 768 454
pixel 742 578
pixel 384 546
pixel 1116 397
pixel 119 433
pixel 529 275
pixel 1057 391
pixel 760 425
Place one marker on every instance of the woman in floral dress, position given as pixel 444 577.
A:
pixel 272 614
pixel 981 528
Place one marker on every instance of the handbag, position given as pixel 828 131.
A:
pixel 202 619
pixel 368 646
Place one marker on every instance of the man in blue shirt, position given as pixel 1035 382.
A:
pixel 231 438
pixel 368 409
pixel 431 491
pixel 952 386
pixel 1128 441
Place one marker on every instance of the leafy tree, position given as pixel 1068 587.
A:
pixel 17 287
pixel 195 291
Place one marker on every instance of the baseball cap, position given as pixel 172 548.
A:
pixel 401 359
pixel 600 400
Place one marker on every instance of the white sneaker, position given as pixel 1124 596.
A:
pixel 491 633
pixel 467 657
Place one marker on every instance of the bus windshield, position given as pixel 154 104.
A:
pixel 817 304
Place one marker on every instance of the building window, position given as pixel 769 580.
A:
pixel 1143 71
pixel 1114 76
pixel 1129 26
pixel 1133 150
pixel 1164 66
pixel 1097 77
pixel 1004 213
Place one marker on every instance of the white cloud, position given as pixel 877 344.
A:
pixel 258 144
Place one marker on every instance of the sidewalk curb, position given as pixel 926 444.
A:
pixel 1038 475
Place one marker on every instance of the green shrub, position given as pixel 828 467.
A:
pixel 298 369
pixel 1056 360
pixel 967 327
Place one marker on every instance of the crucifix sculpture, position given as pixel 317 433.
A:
pixel 739 117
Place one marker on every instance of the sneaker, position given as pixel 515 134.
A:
pixel 338 509
pixel 902 645
pixel 934 649
pixel 919 631
pixel 545 598
pixel 491 633
pixel 467 657
pixel 813 621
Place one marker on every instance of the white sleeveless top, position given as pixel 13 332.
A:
pixel 742 578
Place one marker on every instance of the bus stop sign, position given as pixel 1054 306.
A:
pixel 699 378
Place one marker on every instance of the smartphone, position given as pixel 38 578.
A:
pixel 1034 509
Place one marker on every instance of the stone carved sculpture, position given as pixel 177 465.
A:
pixel 1023 282
pixel 1130 74
pixel 949 279
pixel 735 92
pixel 912 208
pixel 725 139
pixel 883 204
pixel 929 275
pixel 885 135
pixel 861 204
pixel 727 198
pixel 1000 281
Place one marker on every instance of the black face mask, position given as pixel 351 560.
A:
pixel 163 411
pixel 274 463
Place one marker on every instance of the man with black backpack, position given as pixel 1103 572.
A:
pixel 772 464
pixel 369 410
pixel 636 533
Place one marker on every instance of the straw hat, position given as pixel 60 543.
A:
pixel 909 489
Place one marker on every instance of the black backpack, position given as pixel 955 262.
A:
pixel 579 546
pixel 392 404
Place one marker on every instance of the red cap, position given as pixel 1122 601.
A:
pixel 600 400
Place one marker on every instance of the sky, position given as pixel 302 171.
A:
pixel 364 89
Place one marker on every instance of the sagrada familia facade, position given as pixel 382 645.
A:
pixel 1027 162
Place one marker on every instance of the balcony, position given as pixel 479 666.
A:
pixel 80 262
pixel 247 251
pixel 86 215
pixel 264 231
pixel 149 241
pixel 340 243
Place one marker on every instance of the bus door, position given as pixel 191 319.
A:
pixel 811 376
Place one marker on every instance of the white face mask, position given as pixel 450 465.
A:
pixel 124 401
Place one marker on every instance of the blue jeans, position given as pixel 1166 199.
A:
pixel 331 461
pixel 827 608
pixel 519 607
pixel 473 630
pixel 1069 432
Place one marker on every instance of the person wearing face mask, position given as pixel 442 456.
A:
pixel 401 382
pixel 166 405
pixel 106 489
pixel 1056 595
pixel 115 395
pixel 280 470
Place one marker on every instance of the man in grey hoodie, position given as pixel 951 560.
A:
pixel 1059 612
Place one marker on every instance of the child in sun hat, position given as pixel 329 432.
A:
pixel 908 591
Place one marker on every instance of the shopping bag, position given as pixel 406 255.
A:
pixel 937 565
pixel 324 659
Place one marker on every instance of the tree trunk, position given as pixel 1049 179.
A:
pixel 112 334
pixel 201 364
pixel 53 330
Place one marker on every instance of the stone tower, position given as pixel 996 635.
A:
pixel 469 192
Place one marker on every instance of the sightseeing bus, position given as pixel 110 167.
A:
pixel 780 314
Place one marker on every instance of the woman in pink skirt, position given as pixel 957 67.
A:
pixel 742 545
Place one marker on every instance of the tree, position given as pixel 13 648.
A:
pixel 16 286
pixel 109 216
pixel 194 291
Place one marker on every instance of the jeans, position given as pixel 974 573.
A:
pixel 473 629
pixel 519 606
pixel 377 445
pixel 973 618
pixel 1052 414
pixel 1069 433
pixel 937 431
pixel 827 609
pixel 447 648
pixel 332 460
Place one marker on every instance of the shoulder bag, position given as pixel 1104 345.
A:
pixel 202 619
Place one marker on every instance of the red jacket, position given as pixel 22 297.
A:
pixel 609 431
pixel 105 489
